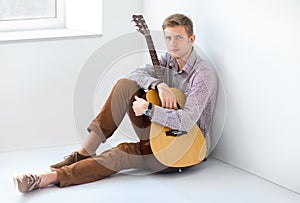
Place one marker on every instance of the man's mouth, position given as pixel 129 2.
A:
pixel 174 50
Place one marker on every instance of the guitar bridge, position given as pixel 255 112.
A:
pixel 175 133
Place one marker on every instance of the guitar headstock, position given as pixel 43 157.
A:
pixel 140 24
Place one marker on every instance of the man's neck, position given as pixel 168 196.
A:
pixel 182 60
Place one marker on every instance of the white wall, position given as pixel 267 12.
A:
pixel 37 81
pixel 255 46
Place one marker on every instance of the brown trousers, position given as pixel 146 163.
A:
pixel 125 155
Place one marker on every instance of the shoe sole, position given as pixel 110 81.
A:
pixel 53 169
pixel 16 184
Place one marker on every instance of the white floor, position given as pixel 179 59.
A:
pixel 211 182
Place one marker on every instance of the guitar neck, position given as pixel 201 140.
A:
pixel 154 57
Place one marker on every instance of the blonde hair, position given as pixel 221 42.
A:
pixel 179 19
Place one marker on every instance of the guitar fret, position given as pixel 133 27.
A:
pixel 154 57
pixel 151 49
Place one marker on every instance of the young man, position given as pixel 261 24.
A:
pixel 188 72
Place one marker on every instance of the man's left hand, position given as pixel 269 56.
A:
pixel 139 106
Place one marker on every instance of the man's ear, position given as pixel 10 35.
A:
pixel 192 38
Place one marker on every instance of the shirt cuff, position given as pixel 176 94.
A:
pixel 150 81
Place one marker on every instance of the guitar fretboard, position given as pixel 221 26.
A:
pixel 154 58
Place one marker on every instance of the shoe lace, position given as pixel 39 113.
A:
pixel 33 180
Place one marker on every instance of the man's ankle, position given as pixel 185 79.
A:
pixel 47 179
pixel 83 152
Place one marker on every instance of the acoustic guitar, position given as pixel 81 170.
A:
pixel 170 147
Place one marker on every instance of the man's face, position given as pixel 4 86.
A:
pixel 177 41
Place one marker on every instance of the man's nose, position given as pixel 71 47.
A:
pixel 173 41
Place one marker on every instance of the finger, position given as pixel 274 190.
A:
pixel 136 98
pixel 134 109
pixel 171 105
pixel 168 105
pixel 163 104
pixel 133 106
pixel 174 105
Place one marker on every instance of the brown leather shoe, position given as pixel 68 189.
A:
pixel 70 159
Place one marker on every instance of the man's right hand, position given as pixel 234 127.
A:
pixel 167 98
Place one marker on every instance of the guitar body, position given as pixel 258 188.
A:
pixel 176 151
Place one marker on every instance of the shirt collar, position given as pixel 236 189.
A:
pixel 189 64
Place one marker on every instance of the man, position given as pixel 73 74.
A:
pixel 188 72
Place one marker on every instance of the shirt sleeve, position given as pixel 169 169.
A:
pixel 145 76
pixel 185 118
